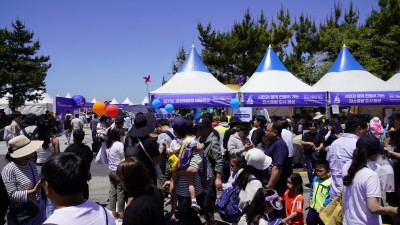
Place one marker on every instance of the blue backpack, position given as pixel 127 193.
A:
pixel 228 205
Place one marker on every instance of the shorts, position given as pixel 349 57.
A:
pixel 195 160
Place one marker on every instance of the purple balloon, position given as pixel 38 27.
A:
pixel 79 100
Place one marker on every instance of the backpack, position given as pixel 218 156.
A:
pixel 131 149
pixel 228 204
pixel 31 135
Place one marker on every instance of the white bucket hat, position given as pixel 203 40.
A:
pixel 256 158
pixel 318 115
pixel 21 146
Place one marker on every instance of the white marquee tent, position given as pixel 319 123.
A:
pixel 348 83
pixel 273 85
pixel 194 86
pixel 395 80
pixel 38 108
pixel 93 101
pixel 114 101
pixel 127 101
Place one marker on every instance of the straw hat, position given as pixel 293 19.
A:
pixel 21 146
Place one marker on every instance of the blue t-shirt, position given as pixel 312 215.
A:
pixel 279 152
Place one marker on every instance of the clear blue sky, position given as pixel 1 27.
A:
pixel 102 49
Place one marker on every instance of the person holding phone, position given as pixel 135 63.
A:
pixel 239 142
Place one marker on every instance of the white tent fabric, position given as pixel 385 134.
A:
pixel 273 85
pixel 194 86
pixel 94 100
pixel 68 96
pixel 193 82
pixel 272 76
pixel 347 75
pixel 114 101
pixel 395 80
pixel 193 77
pixel 127 101
pixel 38 108
pixel 145 101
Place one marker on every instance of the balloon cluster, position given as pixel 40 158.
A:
pixel 100 108
pixel 156 103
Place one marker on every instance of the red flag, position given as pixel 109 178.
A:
pixel 147 79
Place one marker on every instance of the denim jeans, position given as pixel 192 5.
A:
pixel 310 166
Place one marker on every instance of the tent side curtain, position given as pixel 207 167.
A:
pixel 284 99
pixel 195 100
pixel 365 98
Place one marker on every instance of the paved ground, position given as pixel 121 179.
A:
pixel 99 184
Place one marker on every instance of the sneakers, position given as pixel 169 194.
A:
pixel 195 206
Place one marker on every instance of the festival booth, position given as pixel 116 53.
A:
pixel 192 86
pixel 37 108
pixel 94 100
pixel 349 84
pixel 395 80
pixel 273 87
pixel 127 101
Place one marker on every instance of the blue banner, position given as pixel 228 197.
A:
pixel 365 98
pixel 290 99
pixel 195 100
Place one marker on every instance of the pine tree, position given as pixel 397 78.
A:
pixel 22 72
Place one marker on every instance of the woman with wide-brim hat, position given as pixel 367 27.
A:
pixel 22 180
pixel 144 124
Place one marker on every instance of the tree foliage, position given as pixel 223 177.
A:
pixel 22 72
pixel 305 48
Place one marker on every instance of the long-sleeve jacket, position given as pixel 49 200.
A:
pixel 213 152
pixel 319 193
pixel 235 144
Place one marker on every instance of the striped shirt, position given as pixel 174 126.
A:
pixel 18 180
pixel 182 186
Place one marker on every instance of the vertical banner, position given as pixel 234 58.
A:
pixel 244 113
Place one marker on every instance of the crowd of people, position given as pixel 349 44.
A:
pixel 184 162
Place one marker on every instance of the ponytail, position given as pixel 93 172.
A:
pixel 360 157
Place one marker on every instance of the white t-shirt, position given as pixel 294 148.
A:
pixel 114 155
pixel 365 184
pixel 87 213
pixel 287 136
pixel 76 124
pixel 44 154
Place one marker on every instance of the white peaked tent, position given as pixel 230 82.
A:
pixel 94 100
pixel 193 86
pixel 348 83
pixel 273 85
pixel 127 101
pixel 68 95
pixel 39 107
pixel 145 101
pixel 114 101
pixel 395 80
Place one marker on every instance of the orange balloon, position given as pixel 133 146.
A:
pixel 112 111
pixel 99 108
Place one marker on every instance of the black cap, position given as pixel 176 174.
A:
pixel 144 124
pixel 234 120
pixel 371 143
